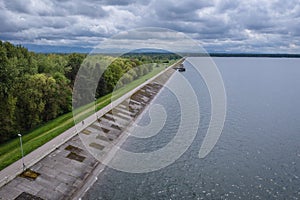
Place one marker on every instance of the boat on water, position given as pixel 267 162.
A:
pixel 180 68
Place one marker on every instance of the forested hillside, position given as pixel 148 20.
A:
pixel 35 88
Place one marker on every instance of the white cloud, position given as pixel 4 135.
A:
pixel 229 25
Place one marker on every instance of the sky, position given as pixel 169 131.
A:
pixel 264 26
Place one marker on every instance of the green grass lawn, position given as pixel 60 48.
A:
pixel 10 151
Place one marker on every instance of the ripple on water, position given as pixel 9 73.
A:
pixel 256 157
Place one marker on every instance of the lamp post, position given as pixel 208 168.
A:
pixel 22 152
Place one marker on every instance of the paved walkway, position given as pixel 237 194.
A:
pixel 62 172
pixel 68 138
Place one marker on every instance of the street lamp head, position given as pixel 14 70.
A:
pixel 19 135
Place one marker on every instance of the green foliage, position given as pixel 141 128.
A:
pixel 51 64
pixel 7 117
pixel 10 151
pixel 73 64
pixel 33 89
pixel 36 88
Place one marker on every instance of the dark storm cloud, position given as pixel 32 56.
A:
pixel 7 25
pixel 226 5
pixel 179 10
pixel 222 24
pixel 55 8
pixel 123 2
pixel 18 6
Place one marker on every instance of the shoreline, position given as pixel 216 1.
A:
pixel 93 177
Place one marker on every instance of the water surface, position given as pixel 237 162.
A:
pixel 257 155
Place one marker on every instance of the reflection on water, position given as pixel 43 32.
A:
pixel 257 156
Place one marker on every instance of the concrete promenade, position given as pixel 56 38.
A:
pixel 64 164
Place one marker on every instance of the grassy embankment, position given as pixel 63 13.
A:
pixel 10 151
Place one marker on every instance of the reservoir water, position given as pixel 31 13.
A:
pixel 257 155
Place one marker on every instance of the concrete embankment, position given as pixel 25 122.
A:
pixel 106 135
pixel 67 171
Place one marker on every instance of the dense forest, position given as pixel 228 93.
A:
pixel 35 88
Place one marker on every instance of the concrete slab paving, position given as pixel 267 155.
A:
pixel 58 175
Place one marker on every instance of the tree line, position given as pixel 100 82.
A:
pixel 36 88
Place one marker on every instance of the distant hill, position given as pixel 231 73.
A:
pixel 56 49
pixel 148 50
pixel 76 49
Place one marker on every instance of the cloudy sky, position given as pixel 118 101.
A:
pixel 218 25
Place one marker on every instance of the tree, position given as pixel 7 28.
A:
pixel 63 93
pixel 30 103
pixel 127 78
pixel 7 117
pixel 41 98
pixel 145 70
pixel 51 64
pixel 8 74
pixel 74 62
